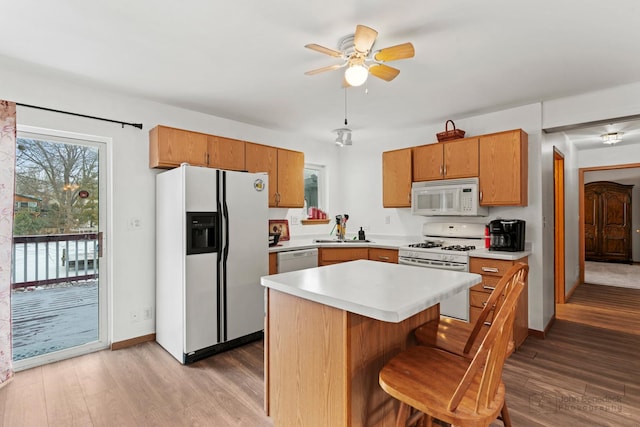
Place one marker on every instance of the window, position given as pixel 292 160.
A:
pixel 314 186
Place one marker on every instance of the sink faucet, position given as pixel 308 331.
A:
pixel 341 226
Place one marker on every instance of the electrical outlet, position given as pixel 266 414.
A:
pixel 134 316
pixel 134 223
pixel 387 219
pixel 295 220
pixel 147 313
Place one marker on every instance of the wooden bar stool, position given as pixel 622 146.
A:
pixel 463 338
pixel 445 386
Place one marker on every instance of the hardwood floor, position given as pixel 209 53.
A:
pixel 580 375
pixel 139 386
pixel 607 307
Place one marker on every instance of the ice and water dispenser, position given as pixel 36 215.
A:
pixel 202 232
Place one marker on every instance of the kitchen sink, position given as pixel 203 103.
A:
pixel 340 241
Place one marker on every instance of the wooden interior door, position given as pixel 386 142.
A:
pixel 608 221
pixel 591 215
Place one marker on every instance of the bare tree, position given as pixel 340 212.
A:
pixel 59 173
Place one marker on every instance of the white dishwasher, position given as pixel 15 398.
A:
pixel 297 260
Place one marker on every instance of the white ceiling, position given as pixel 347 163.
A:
pixel 245 60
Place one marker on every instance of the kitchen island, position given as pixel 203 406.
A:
pixel 329 330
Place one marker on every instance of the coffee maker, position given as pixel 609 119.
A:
pixel 506 235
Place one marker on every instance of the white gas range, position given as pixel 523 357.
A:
pixel 446 246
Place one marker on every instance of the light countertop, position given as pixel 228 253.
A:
pixel 385 242
pixel 379 290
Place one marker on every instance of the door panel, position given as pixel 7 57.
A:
pixel 56 247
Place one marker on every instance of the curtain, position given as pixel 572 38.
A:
pixel 7 189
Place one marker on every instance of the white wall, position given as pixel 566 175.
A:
pixel 130 253
pixel 594 106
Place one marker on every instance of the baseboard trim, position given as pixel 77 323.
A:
pixel 572 290
pixel 132 341
pixel 543 334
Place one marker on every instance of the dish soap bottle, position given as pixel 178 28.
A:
pixel 361 234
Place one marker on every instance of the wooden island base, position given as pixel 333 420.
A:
pixel 322 363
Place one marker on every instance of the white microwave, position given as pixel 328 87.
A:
pixel 448 197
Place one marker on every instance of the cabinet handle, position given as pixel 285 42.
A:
pixel 481 196
pixel 441 171
pixel 489 288
pixel 490 269
pixel 487 323
pixel 445 171
pixel 386 258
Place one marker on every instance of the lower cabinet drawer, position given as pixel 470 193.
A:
pixel 328 256
pixel 487 285
pixel 478 299
pixel 474 314
pixel 383 255
pixel 488 266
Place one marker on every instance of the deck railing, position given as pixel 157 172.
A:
pixel 54 258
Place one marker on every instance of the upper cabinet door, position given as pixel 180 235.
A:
pixel 396 178
pixel 290 179
pixel 461 158
pixel 504 168
pixel 226 153
pixel 169 147
pixel 427 162
pixel 263 158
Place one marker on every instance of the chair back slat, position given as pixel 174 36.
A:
pixel 518 272
pixel 489 360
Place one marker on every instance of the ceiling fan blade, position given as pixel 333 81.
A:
pixel 384 72
pixel 364 38
pixel 393 53
pixel 324 50
pixel 323 69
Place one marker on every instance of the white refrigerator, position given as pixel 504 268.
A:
pixel 211 250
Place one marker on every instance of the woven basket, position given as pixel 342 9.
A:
pixel 448 135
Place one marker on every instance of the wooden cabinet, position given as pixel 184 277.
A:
pixel 328 256
pixel 286 173
pixel 396 178
pixel 492 270
pixel 451 159
pixel 273 263
pixel 383 255
pixel 225 153
pixel 170 147
pixel 607 221
pixel 504 168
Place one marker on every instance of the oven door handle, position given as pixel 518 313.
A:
pixel 433 264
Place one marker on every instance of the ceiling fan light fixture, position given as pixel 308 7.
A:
pixel 356 75
pixel 343 137
pixel 611 137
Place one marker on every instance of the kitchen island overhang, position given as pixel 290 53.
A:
pixel 382 291
pixel 329 330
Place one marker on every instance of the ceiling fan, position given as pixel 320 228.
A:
pixel 355 51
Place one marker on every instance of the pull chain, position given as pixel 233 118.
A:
pixel 345 106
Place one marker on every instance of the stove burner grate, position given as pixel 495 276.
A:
pixel 425 245
pixel 459 248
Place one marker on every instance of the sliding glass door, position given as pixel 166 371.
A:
pixel 58 294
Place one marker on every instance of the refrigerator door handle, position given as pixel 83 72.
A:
pixel 225 210
pixel 220 270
